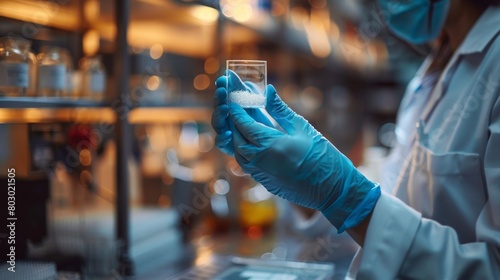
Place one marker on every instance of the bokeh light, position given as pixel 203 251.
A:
pixel 156 51
pixel 153 83
pixel 212 65
pixel 201 82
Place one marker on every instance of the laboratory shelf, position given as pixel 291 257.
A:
pixel 48 115
pixel 145 115
pixel 47 102
pixel 39 110
pixel 45 110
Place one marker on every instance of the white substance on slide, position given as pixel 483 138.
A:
pixel 247 99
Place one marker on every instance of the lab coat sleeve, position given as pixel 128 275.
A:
pixel 400 244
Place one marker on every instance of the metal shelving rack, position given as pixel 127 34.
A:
pixel 46 110
pixel 123 138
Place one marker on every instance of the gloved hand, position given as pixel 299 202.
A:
pixel 220 116
pixel 301 165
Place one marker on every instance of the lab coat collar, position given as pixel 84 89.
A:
pixel 483 31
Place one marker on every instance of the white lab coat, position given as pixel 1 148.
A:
pixel 444 220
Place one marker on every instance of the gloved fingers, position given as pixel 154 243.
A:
pixel 259 115
pixel 220 118
pixel 239 141
pixel 221 82
pixel 223 138
pixel 238 138
pixel 220 96
pixel 234 82
pixel 223 142
pixel 241 161
pixel 221 113
pixel 251 130
pixel 245 150
pixel 278 110
pixel 248 151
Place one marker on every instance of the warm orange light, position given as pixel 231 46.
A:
pixel 279 9
pixel 42 12
pixel 334 32
pixel 298 16
pixel 91 42
pixel 156 51
pixel 91 10
pixel 185 41
pixel 86 177
pixel 205 14
pixel 211 65
pixel 201 82
pixel 254 232
pixel 243 12
pixel 164 201
pixel 167 179
pixel 85 157
pixel 318 4
pixel 318 39
pixel 153 83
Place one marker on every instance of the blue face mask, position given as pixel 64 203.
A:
pixel 416 21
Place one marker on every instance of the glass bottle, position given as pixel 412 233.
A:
pixel 68 60
pixel 25 46
pixel 93 79
pixel 51 72
pixel 14 68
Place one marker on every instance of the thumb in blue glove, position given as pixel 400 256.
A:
pixel 300 165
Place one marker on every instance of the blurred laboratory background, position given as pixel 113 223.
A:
pixel 105 113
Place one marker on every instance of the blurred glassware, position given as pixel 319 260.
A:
pixel 25 46
pixel 93 78
pixel 14 66
pixel 258 210
pixel 69 86
pixel 52 72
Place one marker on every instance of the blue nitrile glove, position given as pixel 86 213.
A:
pixel 301 165
pixel 220 116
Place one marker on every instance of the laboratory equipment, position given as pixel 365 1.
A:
pixel 25 46
pixel 52 71
pixel 248 87
pixel 94 79
pixel 14 67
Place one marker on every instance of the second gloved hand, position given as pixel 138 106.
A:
pixel 301 165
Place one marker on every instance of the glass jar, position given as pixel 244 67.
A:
pixel 258 210
pixel 68 61
pixel 25 47
pixel 52 72
pixel 93 78
pixel 14 67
